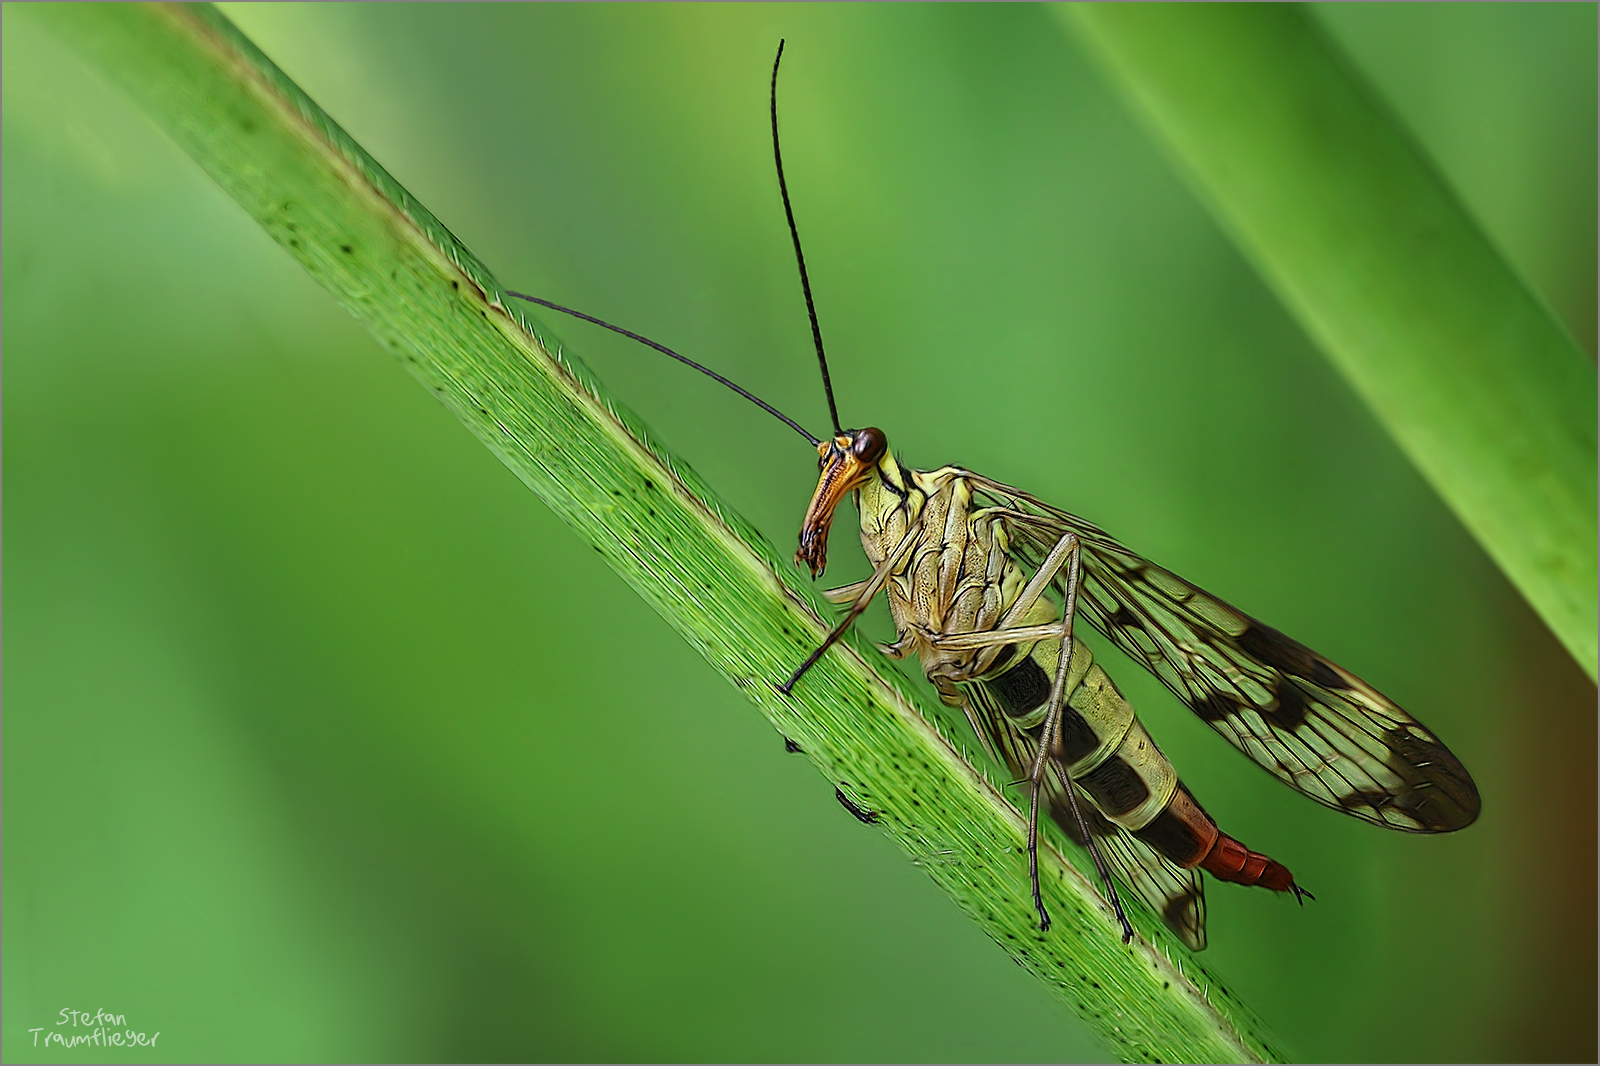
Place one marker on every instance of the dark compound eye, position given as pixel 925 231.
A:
pixel 869 445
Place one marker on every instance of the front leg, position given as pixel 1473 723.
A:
pixel 865 591
pixel 847 593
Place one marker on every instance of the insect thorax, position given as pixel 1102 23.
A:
pixel 958 577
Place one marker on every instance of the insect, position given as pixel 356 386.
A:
pixel 986 585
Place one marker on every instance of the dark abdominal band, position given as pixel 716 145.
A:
pixel 1115 786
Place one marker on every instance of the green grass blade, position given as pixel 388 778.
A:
pixel 1346 219
pixel 441 312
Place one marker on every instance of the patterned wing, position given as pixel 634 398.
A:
pixel 1317 727
pixel 1176 895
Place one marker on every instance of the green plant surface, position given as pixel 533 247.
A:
pixel 393 266
pixel 328 740
pixel 1386 269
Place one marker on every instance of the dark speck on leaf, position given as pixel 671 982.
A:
pixel 346 249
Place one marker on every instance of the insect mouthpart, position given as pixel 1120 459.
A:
pixel 845 462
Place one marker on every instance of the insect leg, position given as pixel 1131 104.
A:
pixel 989 638
pixel 1066 548
pixel 845 593
pixel 868 589
pixel 1048 570
pixel 1065 556
pixel 862 815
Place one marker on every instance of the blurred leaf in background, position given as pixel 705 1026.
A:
pixel 326 741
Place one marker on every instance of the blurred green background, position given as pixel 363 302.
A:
pixel 325 740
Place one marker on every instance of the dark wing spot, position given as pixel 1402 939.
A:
pixel 1375 799
pixel 1445 798
pixel 1293 706
pixel 1214 706
pixel 1179 914
pixel 1123 618
pixel 1287 655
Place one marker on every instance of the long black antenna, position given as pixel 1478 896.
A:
pixel 799 256
pixel 664 350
